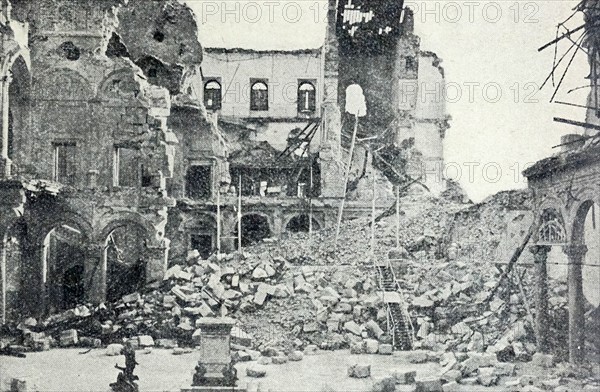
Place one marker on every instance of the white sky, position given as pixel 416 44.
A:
pixel 486 47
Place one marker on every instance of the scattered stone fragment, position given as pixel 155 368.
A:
pixel 296 356
pixel 486 376
pixel 256 371
pixel 386 349
pixel 280 360
pixel 404 377
pixel 429 384
pixel 114 349
pixel 359 371
pixel 542 360
pixel 385 384
pixel 371 346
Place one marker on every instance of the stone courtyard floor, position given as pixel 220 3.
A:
pixel 67 370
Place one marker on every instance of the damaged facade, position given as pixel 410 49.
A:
pixel 124 148
pixel 567 193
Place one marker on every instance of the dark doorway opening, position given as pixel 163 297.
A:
pixel 73 290
pixel 126 267
pixel 203 243
pixel 255 228
pixel 198 184
pixel 300 223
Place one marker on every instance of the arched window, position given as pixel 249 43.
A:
pixel 259 96
pixel 212 95
pixel 306 97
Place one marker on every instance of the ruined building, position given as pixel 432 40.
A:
pixel 567 195
pixel 124 146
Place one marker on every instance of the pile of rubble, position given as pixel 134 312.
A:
pixel 292 293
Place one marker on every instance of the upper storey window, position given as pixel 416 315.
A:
pixel 306 97
pixel 212 95
pixel 259 95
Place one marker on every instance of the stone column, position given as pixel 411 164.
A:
pixel 540 256
pixel 156 257
pixel 95 273
pixel 576 254
pixel 5 162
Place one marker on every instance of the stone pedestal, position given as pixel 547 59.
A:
pixel 215 370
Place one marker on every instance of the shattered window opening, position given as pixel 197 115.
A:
pixel 259 96
pixel 127 168
pixel 212 95
pixel 64 163
pixel 306 97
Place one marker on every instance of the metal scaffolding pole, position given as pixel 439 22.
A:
pixel 239 214
pixel 347 175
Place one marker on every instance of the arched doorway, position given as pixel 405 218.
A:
pixel 586 231
pixel 63 266
pixel 202 235
pixel 300 223
pixel 255 228
pixel 125 260
pixel 13 277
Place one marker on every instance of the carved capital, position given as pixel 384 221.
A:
pixel 540 252
pixel 575 251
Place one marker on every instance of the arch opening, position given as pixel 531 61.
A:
pixel 202 236
pixel 300 223
pixel 586 231
pixel 255 228
pixel 63 266
pixel 125 248
pixel 13 269
pixel 19 99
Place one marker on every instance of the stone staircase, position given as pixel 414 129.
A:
pixel 400 327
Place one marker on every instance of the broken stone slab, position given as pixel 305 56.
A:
pixel 451 375
pixel 166 343
pixel 134 297
pixel 386 349
pixel 371 346
pixel 311 349
pixel 476 361
pixel 353 328
pixel 68 338
pixel 542 360
pixel 19 385
pixel 374 328
pixel 452 386
pixel 505 369
pixel 357 347
pixel 359 371
pixel 429 384
pixel 422 302
pixel 280 360
pixel 181 350
pixel 260 297
pixel 238 336
pixel 241 356
pixel 296 356
pixel 404 377
pixel 417 356
pixel 113 349
pixel 145 341
pixel 256 371
pixel 264 361
pixel 486 376
pixel 384 384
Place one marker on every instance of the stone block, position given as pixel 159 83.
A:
pixel 256 371
pixel 417 356
pixel 68 338
pixel 505 369
pixel 385 384
pixel 134 297
pixel 114 349
pixel 486 376
pixel 280 360
pixel 386 349
pixel 452 386
pixel 18 385
pixel 542 360
pixel 404 377
pixel 146 341
pixel 353 328
pixel 429 384
pixel 296 356
pixel 359 371
pixel 311 349
pixel 371 346
pixel 265 360
pixel 452 375
pixel 166 343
